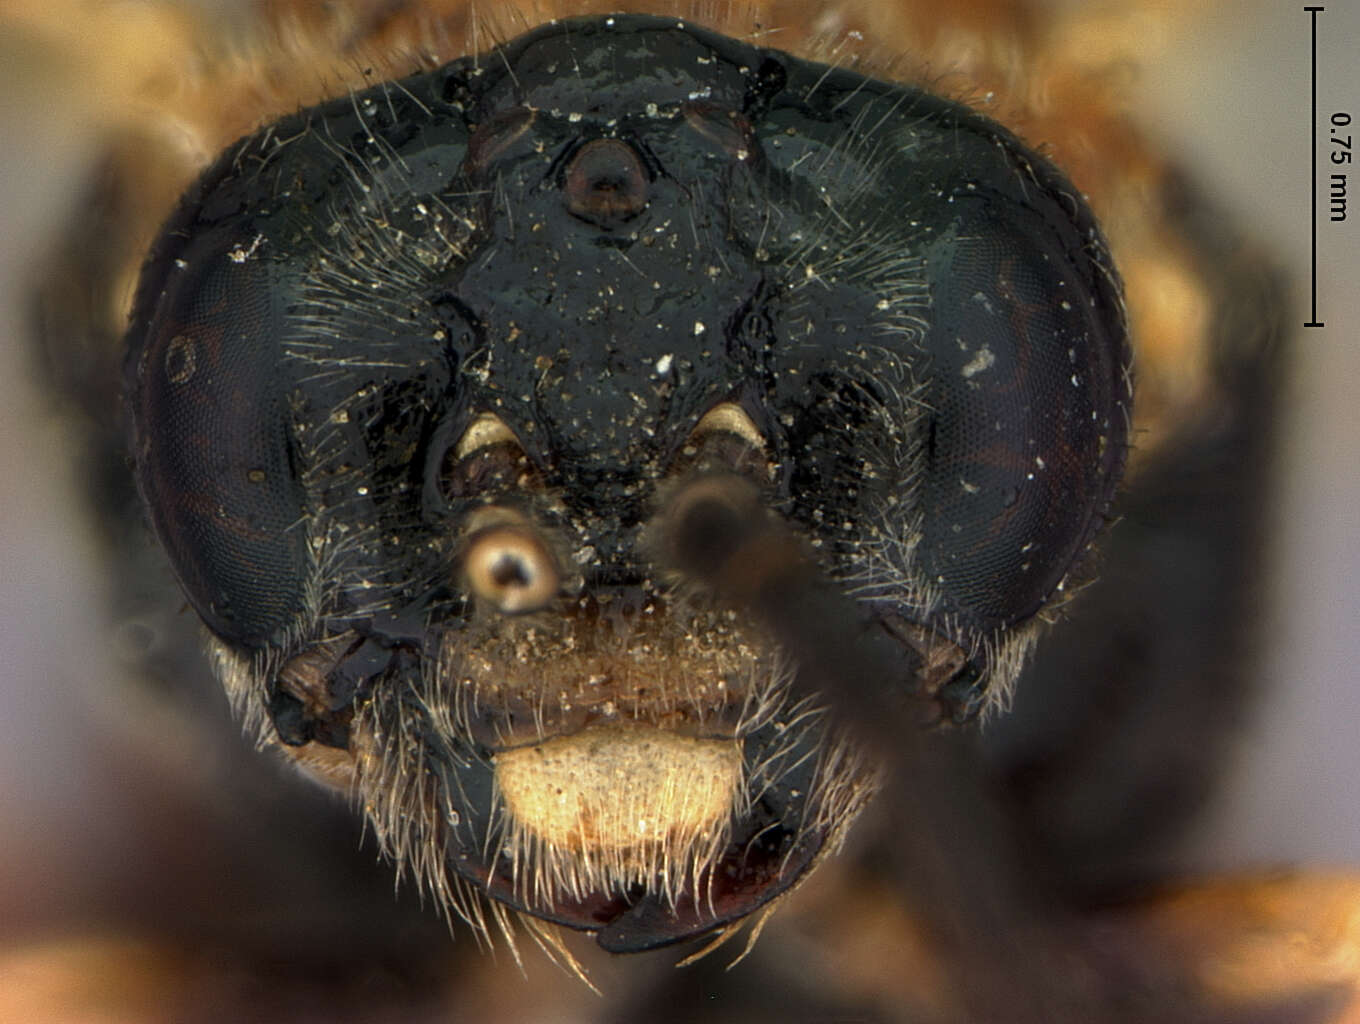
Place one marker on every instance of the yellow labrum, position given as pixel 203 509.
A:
pixel 618 804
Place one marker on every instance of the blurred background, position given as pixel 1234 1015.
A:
pixel 131 808
pixel 1232 100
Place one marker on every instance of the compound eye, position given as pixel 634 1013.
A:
pixel 1029 398
pixel 212 441
pixel 509 567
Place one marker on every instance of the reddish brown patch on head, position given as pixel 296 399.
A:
pixel 606 183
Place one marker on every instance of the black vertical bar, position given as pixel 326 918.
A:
pixel 1313 320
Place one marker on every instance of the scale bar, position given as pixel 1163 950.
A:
pixel 1313 320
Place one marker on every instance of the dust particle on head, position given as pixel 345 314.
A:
pixel 980 362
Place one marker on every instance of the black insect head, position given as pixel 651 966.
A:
pixel 523 281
